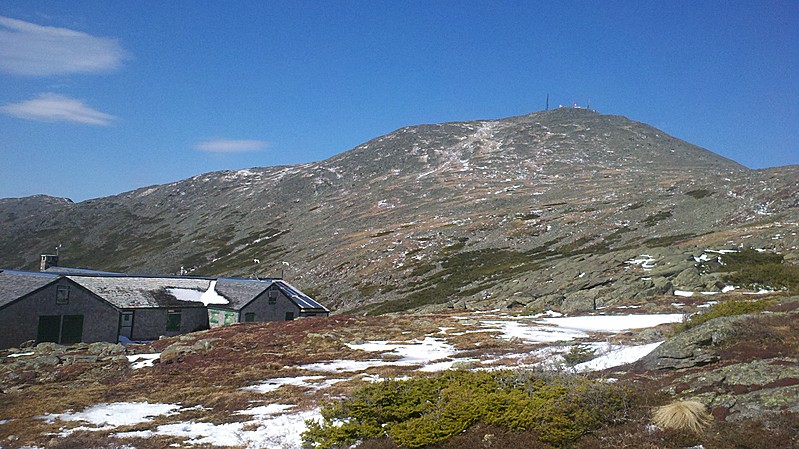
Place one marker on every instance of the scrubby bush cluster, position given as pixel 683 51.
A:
pixel 726 308
pixel 757 269
pixel 557 408
pixel 579 354
pixel 773 276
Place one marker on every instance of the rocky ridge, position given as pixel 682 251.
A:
pixel 557 208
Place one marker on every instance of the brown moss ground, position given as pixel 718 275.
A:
pixel 248 354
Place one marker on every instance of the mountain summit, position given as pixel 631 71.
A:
pixel 530 211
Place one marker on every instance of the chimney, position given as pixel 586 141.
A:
pixel 48 260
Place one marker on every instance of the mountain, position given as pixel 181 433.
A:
pixel 554 208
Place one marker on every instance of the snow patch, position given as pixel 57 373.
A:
pixel 209 296
pixel 281 431
pixel 616 356
pixel 138 361
pixel 108 416
pixel 613 323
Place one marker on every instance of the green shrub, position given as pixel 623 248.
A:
pixel 756 269
pixel 727 308
pixel 423 411
pixel 579 354
pixel 749 257
pixel 459 271
pixel 652 220
pixel 700 193
pixel 776 276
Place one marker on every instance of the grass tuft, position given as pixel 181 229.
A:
pixel 682 415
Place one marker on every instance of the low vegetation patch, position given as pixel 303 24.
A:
pixel 557 408
pixel 771 276
pixel 458 275
pixel 579 354
pixel 699 193
pixel 757 270
pixel 727 308
pixel 669 240
pixel 653 219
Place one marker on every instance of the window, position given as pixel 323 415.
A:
pixel 230 317
pixel 173 320
pixel 272 296
pixel 249 317
pixel 289 316
pixel 62 294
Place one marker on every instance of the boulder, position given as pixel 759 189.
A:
pixel 747 390
pixel 44 360
pixel 103 349
pixel 177 351
pixel 694 347
pixel 688 279
pixel 174 353
pixel 49 348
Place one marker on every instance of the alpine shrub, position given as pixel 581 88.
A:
pixel 423 411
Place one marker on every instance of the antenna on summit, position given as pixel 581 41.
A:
pixel 547 101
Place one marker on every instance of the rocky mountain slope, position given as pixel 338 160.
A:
pixel 567 208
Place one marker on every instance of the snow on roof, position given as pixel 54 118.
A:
pixel 143 292
pixel 209 296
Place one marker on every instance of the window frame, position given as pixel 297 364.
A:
pixel 171 324
pixel 62 295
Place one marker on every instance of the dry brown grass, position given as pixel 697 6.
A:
pixel 682 415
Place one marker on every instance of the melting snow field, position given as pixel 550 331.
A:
pixel 109 416
pixel 266 431
pixel 280 425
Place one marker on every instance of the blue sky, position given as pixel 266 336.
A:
pixel 101 97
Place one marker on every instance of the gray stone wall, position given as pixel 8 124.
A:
pixel 19 321
pixel 150 324
pixel 270 312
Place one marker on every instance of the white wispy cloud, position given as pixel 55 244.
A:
pixel 35 50
pixel 57 108
pixel 231 146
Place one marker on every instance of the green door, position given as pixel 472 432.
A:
pixel 72 329
pixel 49 328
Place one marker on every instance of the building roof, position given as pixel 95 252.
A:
pixel 132 292
pixel 304 301
pixel 240 292
pixel 15 284
pixel 69 270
